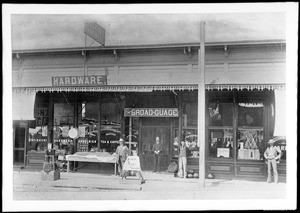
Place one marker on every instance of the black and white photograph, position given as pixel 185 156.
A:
pixel 137 107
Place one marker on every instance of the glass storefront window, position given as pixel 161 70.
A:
pixel 221 143
pixel 250 114
pixel 191 138
pixel 111 125
pixel 220 119
pixel 37 138
pixel 250 136
pixel 250 144
pixel 190 111
pixel 220 114
pixel 63 120
pixel 88 124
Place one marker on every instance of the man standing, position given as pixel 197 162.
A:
pixel 157 148
pixel 182 160
pixel 122 153
pixel 272 154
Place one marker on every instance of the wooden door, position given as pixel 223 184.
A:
pixel 20 135
pixel 148 135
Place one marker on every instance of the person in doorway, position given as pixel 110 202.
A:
pixel 272 154
pixel 122 153
pixel 182 160
pixel 157 148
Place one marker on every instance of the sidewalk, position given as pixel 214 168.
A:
pixel 28 185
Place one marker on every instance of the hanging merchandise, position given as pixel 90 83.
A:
pixel 44 131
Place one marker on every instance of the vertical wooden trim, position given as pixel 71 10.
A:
pixel 180 122
pixel 50 119
pixel 201 105
pixel 130 132
pixel 75 117
pixel 235 130
pixel 26 141
pixel 207 154
pixel 99 123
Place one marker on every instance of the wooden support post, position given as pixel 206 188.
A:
pixel 99 125
pixel 201 105
pixel 75 119
pixel 50 119
pixel 180 137
pixel 130 132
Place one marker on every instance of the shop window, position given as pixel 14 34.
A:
pixel 88 124
pixel 190 136
pixel 220 119
pixel 221 143
pixel 38 130
pixel 111 124
pixel 37 139
pixel 63 120
pixel 190 114
pixel 250 114
pixel 220 114
pixel 191 139
pixel 250 134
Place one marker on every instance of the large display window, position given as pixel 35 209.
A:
pixel 250 126
pixel 220 125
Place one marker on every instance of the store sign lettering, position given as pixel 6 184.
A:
pixel 41 112
pixel 151 112
pixel 79 80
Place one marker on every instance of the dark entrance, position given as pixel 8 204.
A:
pixel 148 135
pixel 20 135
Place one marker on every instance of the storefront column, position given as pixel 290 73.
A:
pixel 75 118
pixel 201 105
pixel 235 127
pixel 50 121
pixel 180 122
pixel 99 125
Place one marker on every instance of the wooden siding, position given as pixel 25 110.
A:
pixel 154 67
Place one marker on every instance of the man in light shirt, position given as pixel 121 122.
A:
pixel 272 154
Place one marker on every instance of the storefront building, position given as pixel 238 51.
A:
pixel 140 92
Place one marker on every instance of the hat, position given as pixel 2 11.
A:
pixel 121 140
pixel 271 141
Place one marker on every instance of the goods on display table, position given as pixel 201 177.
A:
pixel 98 157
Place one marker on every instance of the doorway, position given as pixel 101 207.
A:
pixel 20 135
pixel 148 135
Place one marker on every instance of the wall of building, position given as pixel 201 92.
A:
pixel 252 64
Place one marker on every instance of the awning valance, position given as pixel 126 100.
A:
pixel 147 88
pixel 23 105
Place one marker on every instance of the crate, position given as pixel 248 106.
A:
pixel 52 175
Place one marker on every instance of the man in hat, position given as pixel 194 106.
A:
pixel 272 154
pixel 122 153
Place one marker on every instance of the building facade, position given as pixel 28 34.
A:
pixel 140 92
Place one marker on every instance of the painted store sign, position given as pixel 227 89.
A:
pixel 79 80
pixel 151 112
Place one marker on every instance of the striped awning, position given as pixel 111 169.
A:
pixel 129 88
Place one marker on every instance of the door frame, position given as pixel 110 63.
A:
pixel 20 124
pixel 169 156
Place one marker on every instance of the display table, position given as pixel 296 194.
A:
pixel 96 157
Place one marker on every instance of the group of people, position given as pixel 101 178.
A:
pixel 272 154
